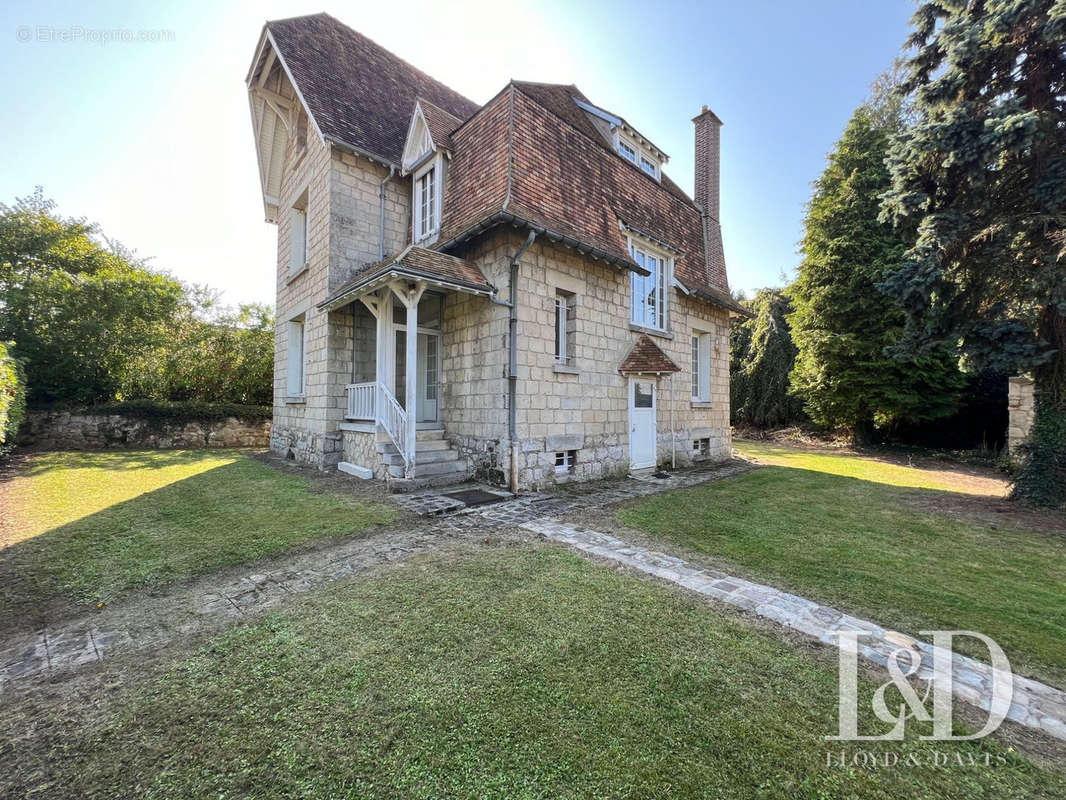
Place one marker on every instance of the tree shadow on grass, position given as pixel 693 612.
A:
pixel 32 463
pixel 230 514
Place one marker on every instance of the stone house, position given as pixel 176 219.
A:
pixel 514 291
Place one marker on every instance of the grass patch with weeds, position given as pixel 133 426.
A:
pixel 86 527
pixel 521 672
pixel 847 531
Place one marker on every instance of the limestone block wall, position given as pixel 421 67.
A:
pixel 85 430
pixel 344 224
pixel 360 448
pixel 474 366
pixel 586 408
pixel 1021 402
pixel 299 431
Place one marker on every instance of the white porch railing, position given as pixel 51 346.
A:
pixel 393 419
pixel 361 401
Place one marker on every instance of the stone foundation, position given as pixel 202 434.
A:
pixel 71 430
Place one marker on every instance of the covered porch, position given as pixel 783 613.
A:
pixel 397 317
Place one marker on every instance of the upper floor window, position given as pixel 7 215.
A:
pixel 627 152
pixel 701 367
pixel 296 371
pixel 426 202
pixel 649 166
pixel 299 234
pixel 638 155
pixel 565 325
pixel 648 292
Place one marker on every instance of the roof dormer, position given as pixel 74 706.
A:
pixel 626 140
pixel 420 144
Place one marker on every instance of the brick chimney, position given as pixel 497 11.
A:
pixel 708 155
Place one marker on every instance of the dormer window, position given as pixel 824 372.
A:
pixel 426 202
pixel 636 154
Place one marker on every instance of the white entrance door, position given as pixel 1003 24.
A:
pixel 641 423
pixel 428 404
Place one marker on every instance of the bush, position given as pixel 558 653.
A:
pixel 1041 477
pixel 12 396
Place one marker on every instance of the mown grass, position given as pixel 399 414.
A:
pixel 88 527
pixel 520 672
pixel 857 534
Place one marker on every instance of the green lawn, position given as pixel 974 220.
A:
pixel 517 672
pixel 869 538
pixel 84 528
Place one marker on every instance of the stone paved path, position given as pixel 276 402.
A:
pixel 1034 704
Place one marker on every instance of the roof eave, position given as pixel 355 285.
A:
pixel 505 217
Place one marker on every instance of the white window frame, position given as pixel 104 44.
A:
pixel 661 277
pixel 564 461
pixel 701 367
pixel 565 324
pixel 299 233
pixel 296 368
pixel 426 231
pixel 640 156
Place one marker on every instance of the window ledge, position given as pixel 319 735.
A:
pixel 294 275
pixel 701 404
pixel 565 369
pixel 295 400
pixel 651 331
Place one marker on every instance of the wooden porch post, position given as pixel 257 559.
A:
pixel 411 362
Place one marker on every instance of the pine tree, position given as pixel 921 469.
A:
pixel 762 355
pixel 843 323
pixel 979 190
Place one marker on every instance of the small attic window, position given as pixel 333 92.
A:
pixel 637 155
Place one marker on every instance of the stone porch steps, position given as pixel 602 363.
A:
pixel 435 463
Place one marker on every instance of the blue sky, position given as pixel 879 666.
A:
pixel 153 140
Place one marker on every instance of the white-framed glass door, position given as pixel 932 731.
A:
pixel 642 428
pixel 427 405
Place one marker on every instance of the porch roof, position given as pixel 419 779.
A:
pixel 647 359
pixel 416 263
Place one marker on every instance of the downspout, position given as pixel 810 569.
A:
pixel 381 198
pixel 512 357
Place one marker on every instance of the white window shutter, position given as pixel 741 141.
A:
pixel 294 378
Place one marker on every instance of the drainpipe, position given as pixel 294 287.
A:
pixel 512 357
pixel 381 197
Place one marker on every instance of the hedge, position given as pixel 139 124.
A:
pixel 160 412
pixel 12 396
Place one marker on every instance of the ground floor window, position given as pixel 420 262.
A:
pixel 701 447
pixel 564 461
pixel 701 367
pixel 296 371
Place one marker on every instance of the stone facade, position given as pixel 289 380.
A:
pixel 72 430
pixel 583 407
pixel 1021 402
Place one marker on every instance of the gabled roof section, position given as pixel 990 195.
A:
pixel 429 131
pixel 647 359
pixel 415 263
pixel 357 93
pixel 518 162
pixel 440 122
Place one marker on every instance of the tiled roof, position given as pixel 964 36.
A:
pixel 358 93
pixel 440 123
pixel 417 262
pixel 516 157
pixel 647 358
pixel 559 99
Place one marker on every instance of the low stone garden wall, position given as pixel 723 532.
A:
pixel 84 430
